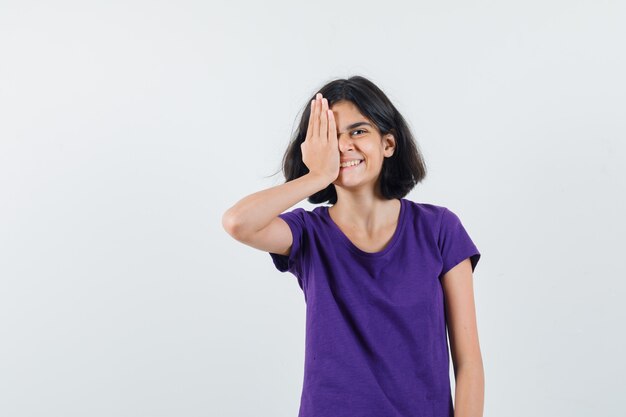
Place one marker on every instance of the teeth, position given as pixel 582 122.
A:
pixel 350 163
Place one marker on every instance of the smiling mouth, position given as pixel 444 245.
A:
pixel 352 166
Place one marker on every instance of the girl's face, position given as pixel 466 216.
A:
pixel 359 138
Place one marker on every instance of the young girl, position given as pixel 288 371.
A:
pixel 382 275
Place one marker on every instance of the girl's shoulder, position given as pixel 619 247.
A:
pixel 426 211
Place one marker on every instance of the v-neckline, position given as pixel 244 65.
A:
pixel 354 248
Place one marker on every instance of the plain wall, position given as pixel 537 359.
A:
pixel 128 128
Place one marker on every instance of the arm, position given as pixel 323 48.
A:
pixel 254 219
pixel 464 345
pixel 255 211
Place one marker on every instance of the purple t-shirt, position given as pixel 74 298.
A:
pixel 376 340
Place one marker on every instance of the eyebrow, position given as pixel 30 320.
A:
pixel 357 124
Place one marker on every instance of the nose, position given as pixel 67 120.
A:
pixel 345 142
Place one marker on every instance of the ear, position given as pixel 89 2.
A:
pixel 389 144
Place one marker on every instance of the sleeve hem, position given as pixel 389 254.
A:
pixel 474 257
pixel 289 262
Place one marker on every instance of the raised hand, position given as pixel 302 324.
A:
pixel 320 149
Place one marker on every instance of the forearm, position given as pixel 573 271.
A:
pixel 255 211
pixel 469 390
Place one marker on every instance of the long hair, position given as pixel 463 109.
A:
pixel 400 172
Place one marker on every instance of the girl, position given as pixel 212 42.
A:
pixel 382 276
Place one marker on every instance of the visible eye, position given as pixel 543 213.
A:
pixel 359 130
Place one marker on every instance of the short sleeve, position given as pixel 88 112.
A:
pixel 454 242
pixel 292 262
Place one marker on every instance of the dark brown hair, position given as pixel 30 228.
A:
pixel 400 172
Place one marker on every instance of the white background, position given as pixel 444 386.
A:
pixel 128 127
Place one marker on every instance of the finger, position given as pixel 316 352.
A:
pixel 309 129
pixel 316 118
pixel 324 121
pixel 332 128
